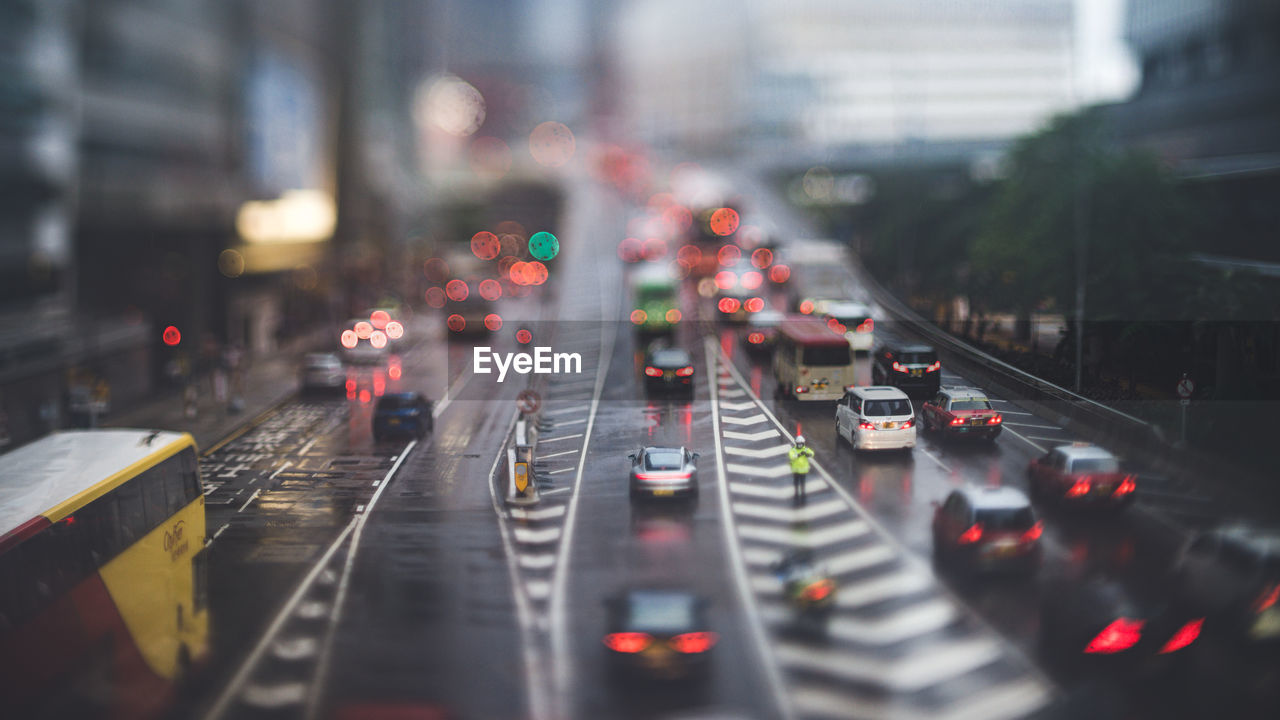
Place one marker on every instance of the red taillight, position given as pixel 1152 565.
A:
pixel 909 423
pixel 685 371
pixel 694 642
pixel 802 388
pixel 995 420
pixel 729 305
pixel 819 590
pixel 957 421
pixel 1116 637
pixel 1126 487
pixel 972 535
pixel 652 371
pixel 1186 635
pixel 866 426
pixel 662 476
pixel 1033 534
pixel 866 325
pixel 899 367
pixel 1267 599
pixel 628 642
pixel 935 367
pixel 755 338
pixel 1080 487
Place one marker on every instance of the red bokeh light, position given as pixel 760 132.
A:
pixel 653 249
pixel 457 290
pixel 779 273
pixel 762 257
pixel 379 318
pixel 505 265
pixel 435 297
pixel 171 336
pixel 729 305
pixel 364 396
pixel 677 218
pixel 394 372
pixel 673 316
pixel 639 316
pixel 363 329
pixel 726 279
pixel 752 280
pixel 689 255
pixel 490 289
pixel 456 323
pixel 349 339
pixel 436 270
pixel 729 255
pixel 519 272
pixel 754 304
pixel 378 339
pixel 485 245
pixel 629 250
pixel 535 273
pixel 493 322
pixel 395 330
pixel 806 307
pixel 523 336
pixel 724 221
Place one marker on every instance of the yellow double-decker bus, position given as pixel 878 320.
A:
pixel 102 575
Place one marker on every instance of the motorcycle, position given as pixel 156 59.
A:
pixel 809 591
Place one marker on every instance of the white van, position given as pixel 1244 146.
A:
pixel 876 418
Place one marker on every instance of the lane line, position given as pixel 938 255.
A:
pixel 559 454
pixel 1049 439
pixel 1042 427
pixel 764 650
pixel 562 437
pixel 934 458
pixel 438 409
pixel 1023 438
pixel 557 472
pixel 252 497
pixel 306 448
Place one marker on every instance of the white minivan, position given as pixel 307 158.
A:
pixel 876 418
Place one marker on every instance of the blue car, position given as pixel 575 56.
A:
pixel 406 413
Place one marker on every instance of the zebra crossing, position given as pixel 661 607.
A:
pixel 897 645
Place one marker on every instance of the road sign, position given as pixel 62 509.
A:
pixel 528 401
pixel 1186 387
pixel 522 477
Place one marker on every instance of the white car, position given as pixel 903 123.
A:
pixel 876 418
pixel 323 371
pixel 859 327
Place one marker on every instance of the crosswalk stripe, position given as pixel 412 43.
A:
pixel 536 537
pixel 537 513
pixel 772 471
pixel 774 492
pixel 775 451
pixel 1014 699
pixel 732 393
pixel 855 560
pixel 737 405
pixel 537 561
pixel 910 622
pixel 752 420
pixel 884 587
pixel 908 674
pixel 807 538
pixel 731 435
pixel 807 512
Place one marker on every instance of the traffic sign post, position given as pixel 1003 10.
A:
pixel 1185 388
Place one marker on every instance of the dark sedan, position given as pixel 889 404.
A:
pixel 658 634
pixel 406 413
pixel 669 369
pixel 664 472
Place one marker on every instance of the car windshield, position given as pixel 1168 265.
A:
pixel 875 408
pixel 671 358
pixel 827 355
pixel 1007 518
pixel 661 612
pixel 918 358
pixel 663 460
pixel 323 361
pixel 1098 465
pixel 970 405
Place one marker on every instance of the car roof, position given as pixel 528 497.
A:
pixel 847 307
pixel 987 497
pixel 655 448
pixel 1084 450
pixel 914 348
pixel 963 393
pixel 879 392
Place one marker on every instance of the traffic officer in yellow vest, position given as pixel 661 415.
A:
pixel 799 456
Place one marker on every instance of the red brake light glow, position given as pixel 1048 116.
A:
pixel 899 366
pixel 972 535
pixel 652 371
pixel 935 367
pixel 1116 637
pixel 866 326
pixel 957 421
pixel 1033 534
pixel 755 338
pixel 908 424
pixel 694 642
pixel 628 642
pixel 866 426
pixel 1080 487
pixel 1267 599
pixel 819 590
pixel 802 388
pixel 1186 635
pixel 995 419
pixel 685 371
pixel 1126 487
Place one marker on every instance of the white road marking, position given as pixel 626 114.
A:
pixel 752 437
pixel 562 423
pixel 907 674
pixel 552 455
pixel 557 472
pixel 252 497
pixel 747 405
pixel 557 439
pixel 531 536
pixel 884 587
pixel 775 451
pixel 538 589
pixel 732 393
pixel 1021 437
pixel 274 696
pixel 537 561
pixel 1049 439
pixel 752 420
pixel 305 448
pixel 936 459
pixel 855 560
pixel 537 513
pixel 772 471
pixel 909 622
pixel 804 513
pixel 553 492
pixel 297 648
pixel 1042 427
pixel 562 411
pixel 807 538
pixel 450 393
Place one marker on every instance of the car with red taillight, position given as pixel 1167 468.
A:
pixel 661 472
pixel 854 322
pixel 1232 576
pixel 961 412
pixel 1081 474
pixel 913 368
pixel 987 529
pixel 761 333
pixel 669 370
pixel 658 634
pixel 876 418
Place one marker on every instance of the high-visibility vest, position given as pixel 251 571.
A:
pixel 799 457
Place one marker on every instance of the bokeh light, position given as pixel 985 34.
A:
pixel 762 257
pixel 435 297
pixel 490 289
pixel 171 336
pixel 379 318
pixel 378 339
pixel 779 273
pixel 689 255
pixel 535 273
pixel 677 218
pixel 457 290
pixel 349 339
pixel 729 255
pixel 363 329
pixel 230 263
pixel 493 322
pixel 485 245
pixel 751 280
pixel 451 104
pixel 395 330
pixel 806 307
pixel 544 246
pixel 724 221
pixel 551 144
pixel 674 316
pixel 754 305
pixel 519 273
pixel 456 323
pixel 653 249
pixel 639 316
pixel 523 336
pixel 726 279
pixel 505 265
pixel 729 305
pixel 629 250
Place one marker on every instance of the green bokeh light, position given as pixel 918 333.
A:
pixel 544 245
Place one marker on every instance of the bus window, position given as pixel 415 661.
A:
pixel 827 355
pixel 133 517
pixel 190 474
pixel 157 509
pixel 174 490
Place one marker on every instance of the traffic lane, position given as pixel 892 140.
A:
pixel 429 624
pixel 618 546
